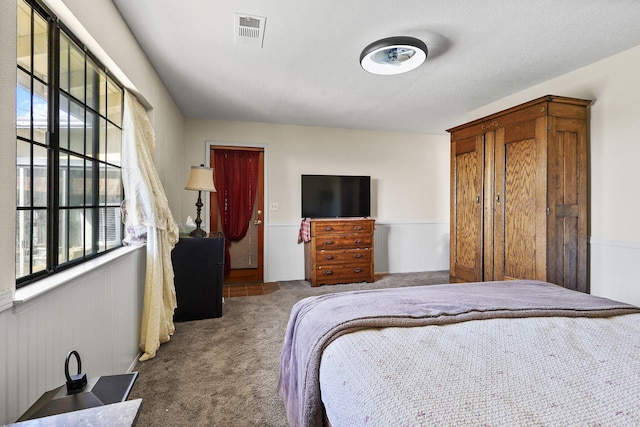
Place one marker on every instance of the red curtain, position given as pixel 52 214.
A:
pixel 236 175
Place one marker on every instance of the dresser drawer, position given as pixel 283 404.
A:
pixel 343 242
pixel 348 256
pixel 343 274
pixel 341 227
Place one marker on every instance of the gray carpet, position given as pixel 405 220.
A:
pixel 224 371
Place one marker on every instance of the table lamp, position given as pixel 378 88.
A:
pixel 200 179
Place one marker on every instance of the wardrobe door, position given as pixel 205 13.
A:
pixel 466 246
pixel 520 201
pixel 568 226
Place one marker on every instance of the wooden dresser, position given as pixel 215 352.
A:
pixel 339 251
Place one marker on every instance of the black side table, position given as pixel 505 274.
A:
pixel 198 267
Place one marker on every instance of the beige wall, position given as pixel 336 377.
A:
pixel 614 86
pixel 410 172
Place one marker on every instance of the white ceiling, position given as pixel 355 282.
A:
pixel 307 71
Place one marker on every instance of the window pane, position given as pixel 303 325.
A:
pixel 23 105
pixel 63 178
pixel 76 72
pixel 63 118
pixel 76 181
pixel 75 247
pixel 76 128
pixel 39 241
pixel 93 86
pixel 102 141
pixel 110 228
pixel 40 181
pixel 23 174
pixel 23 243
pixel 40 112
pixel 114 102
pixel 40 47
pixel 65 76
pixel 63 237
pixel 102 92
pixel 92 127
pixel 114 144
pixel 114 186
pixel 23 36
pixel 90 230
pixel 90 194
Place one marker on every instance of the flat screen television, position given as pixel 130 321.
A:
pixel 336 196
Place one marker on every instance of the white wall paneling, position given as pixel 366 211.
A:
pixel 614 270
pixel 400 247
pixel 406 247
pixel 98 314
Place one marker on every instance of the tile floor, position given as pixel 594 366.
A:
pixel 230 290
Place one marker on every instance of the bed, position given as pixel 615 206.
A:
pixel 486 354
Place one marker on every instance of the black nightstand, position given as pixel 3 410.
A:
pixel 198 267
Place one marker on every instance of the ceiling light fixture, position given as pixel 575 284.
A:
pixel 393 55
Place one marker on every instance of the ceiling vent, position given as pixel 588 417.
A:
pixel 249 30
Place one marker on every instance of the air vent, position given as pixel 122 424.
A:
pixel 249 30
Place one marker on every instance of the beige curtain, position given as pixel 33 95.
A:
pixel 147 206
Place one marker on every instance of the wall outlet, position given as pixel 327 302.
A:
pixel 273 206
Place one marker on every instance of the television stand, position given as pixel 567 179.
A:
pixel 339 251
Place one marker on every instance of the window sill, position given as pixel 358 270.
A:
pixel 34 290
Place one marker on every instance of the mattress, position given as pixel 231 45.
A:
pixel 550 371
pixel 318 322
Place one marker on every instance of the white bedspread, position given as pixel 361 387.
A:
pixel 542 371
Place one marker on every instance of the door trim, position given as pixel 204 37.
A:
pixel 207 208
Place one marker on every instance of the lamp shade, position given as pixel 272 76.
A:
pixel 201 179
pixel 393 55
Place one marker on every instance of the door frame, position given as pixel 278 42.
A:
pixel 207 205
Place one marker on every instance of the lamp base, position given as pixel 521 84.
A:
pixel 198 232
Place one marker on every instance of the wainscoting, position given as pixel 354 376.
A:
pixel 403 247
pixel 614 270
pixel 97 313
pixel 400 247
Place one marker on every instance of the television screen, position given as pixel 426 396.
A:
pixel 335 196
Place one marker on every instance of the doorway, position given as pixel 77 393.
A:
pixel 247 254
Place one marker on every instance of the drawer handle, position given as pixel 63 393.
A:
pixel 327 272
pixel 358 228
pixel 358 241
pixel 329 257
pixel 328 242
pixel 357 270
pixel 328 228
pixel 357 256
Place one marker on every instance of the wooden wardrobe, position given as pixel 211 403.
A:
pixel 519 194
